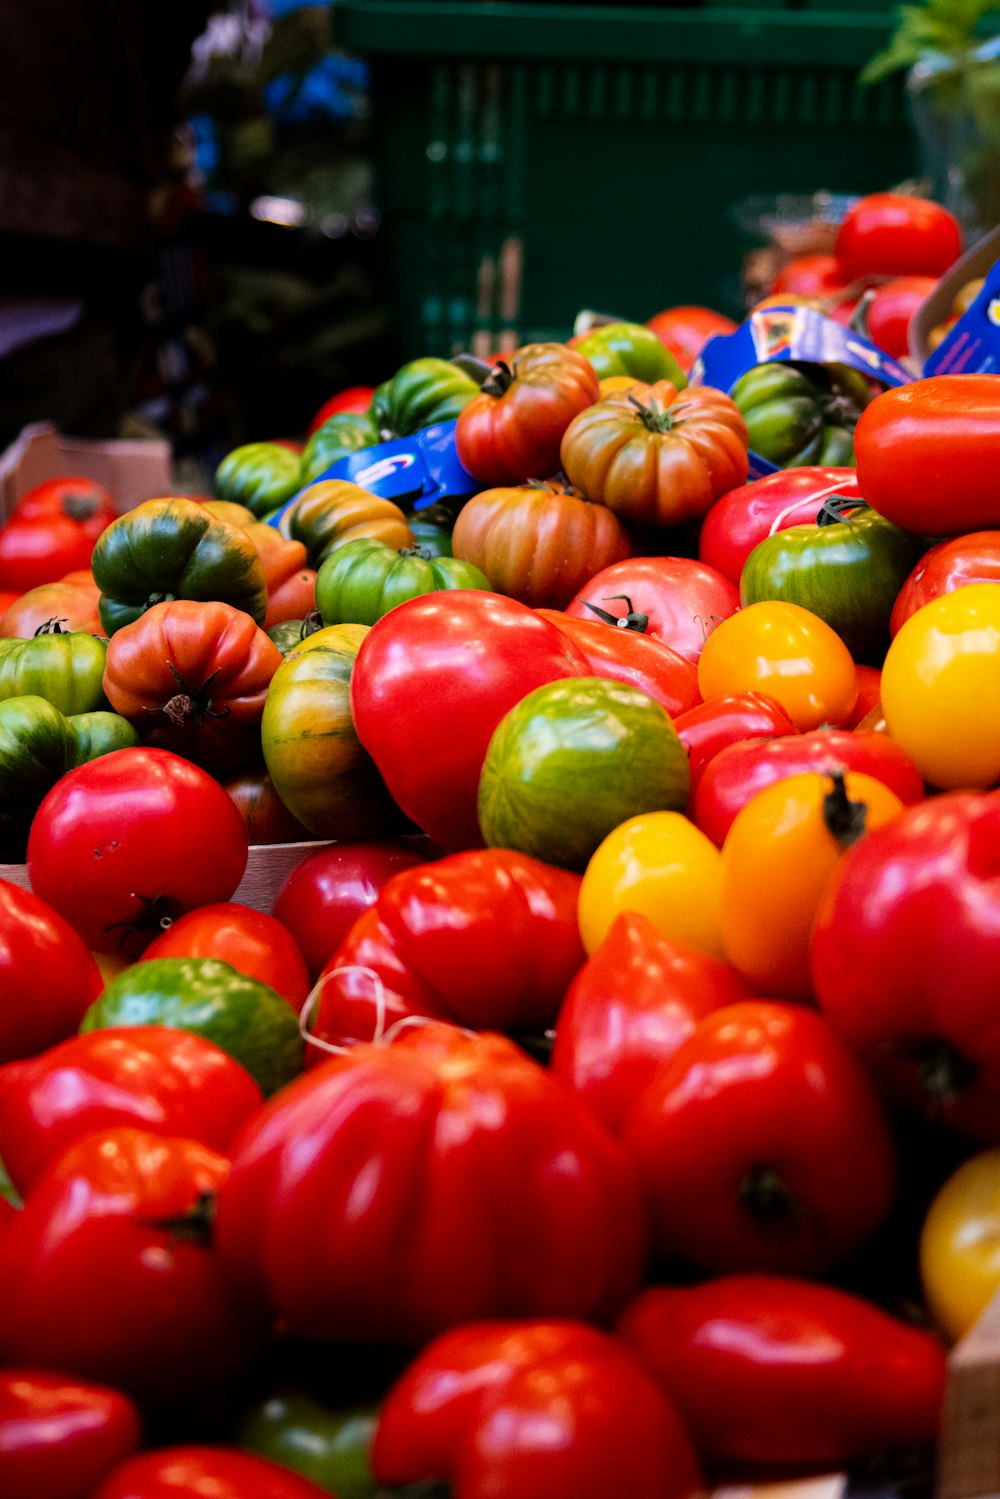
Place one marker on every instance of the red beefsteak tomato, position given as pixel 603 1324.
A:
pixel 512 429
pixel 674 599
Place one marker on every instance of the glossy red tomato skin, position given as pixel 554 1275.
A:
pixel 684 599
pixel 891 310
pixel 60 1436
pixel 356 398
pixel 686 330
pixel 193 1472
pixel 48 978
pixel 323 896
pixel 167 1081
pixel 891 234
pixel 816 276
pixel 928 454
pixel 630 1008
pixel 743 517
pixel 251 941
pixel 512 429
pixel 432 680
pixel 972 558
pixel 627 656
pixel 783 1373
pixel 92 1280
pixel 480 1405
pixel 869 688
pixel 709 727
pixel 52 532
pixel 762 1089
pixel 132 836
pixel 739 771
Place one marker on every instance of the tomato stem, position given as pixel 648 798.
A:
pixel 946 1072
pixel 633 620
pixel 844 819
pixel 499 380
pixel 764 1195
pixel 652 417
pixel 193 1227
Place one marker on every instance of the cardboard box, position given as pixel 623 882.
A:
pixel 133 470
pixel 938 306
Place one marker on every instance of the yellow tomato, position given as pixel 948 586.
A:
pixel 939 688
pixel 612 384
pixel 787 652
pixel 960 1244
pixel 778 857
pixel 661 865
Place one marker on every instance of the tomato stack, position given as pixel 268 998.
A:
pixel 609 1104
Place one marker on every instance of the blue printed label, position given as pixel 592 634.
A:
pixel 799 334
pixel 973 345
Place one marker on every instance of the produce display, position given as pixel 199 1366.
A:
pixel 608 1102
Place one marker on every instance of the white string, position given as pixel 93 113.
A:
pixel 414 1022
pixel 305 1014
pixel 809 500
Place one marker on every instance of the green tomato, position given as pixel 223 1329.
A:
pixel 66 669
pixel 259 475
pixel 363 580
pixel 432 530
pixel 630 349
pixel 331 1447
pixel 175 549
pixel 423 392
pixel 241 1015
pixel 36 748
pixel 97 734
pixel 345 432
pixel 572 761
pixel 847 572
pixel 795 418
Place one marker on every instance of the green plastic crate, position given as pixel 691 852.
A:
pixel 535 159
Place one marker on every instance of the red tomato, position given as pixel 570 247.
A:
pixel 630 1008
pixel 762 1144
pixel 72 605
pixel 869 690
pixel 813 276
pixel 708 728
pixel 204 1473
pixel 892 307
pixel 59 1436
pixel 686 330
pixel 682 600
pixel 250 941
pixel 53 530
pixel 743 517
pixel 738 772
pixel 324 895
pixel 48 978
pixel 891 234
pixel 172 1082
pixel 267 818
pixel 96 1281
pixel 928 454
pixel 355 398
pixel 973 558
pixel 432 680
pixel 125 840
pixel 512 430
pixel 7 597
pixel 627 656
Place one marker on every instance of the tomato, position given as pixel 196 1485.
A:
pixel 361 581
pixel 928 454
pixel 47 975
pixel 354 398
pixel 630 1007
pixel 684 331
pixel 798 414
pixel 512 429
pixel 267 818
pixel 620 351
pixel 495 1194
pixel 937 688
pixel 259 475
pixel 52 531
pixel 781 1373
pixel 625 655
pixel 71 606
pixel 739 771
pixel 534 1410
pixel 869 688
pixel 342 433
pixel 708 728
pixel 817 276
pixel 973 558
pixel 94 1275
pixel 325 1442
pixel 662 866
pixel 778 857
pixel 332 512
pixel 324 895
pixel 420 394
pixel 433 679
pixel 127 839
pixel 960 1245
pixel 786 652
pixel 169 1081
pixel 891 310
pixel 675 600
pixel 64 669
pixel 251 941
pixel 762 1145
pixel 59 1436
pixel 743 517
pixel 198 1472
pixel 891 234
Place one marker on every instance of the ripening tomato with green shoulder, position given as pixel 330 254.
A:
pixel 633 350
pixel 938 688
pixel 779 854
pixel 787 652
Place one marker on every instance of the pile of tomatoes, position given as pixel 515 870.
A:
pixel 610 1103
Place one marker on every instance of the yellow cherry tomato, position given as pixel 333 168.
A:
pixel 960 1244
pixel 787 652
pixel 939 688
pixel 778 857
pixel 661 865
